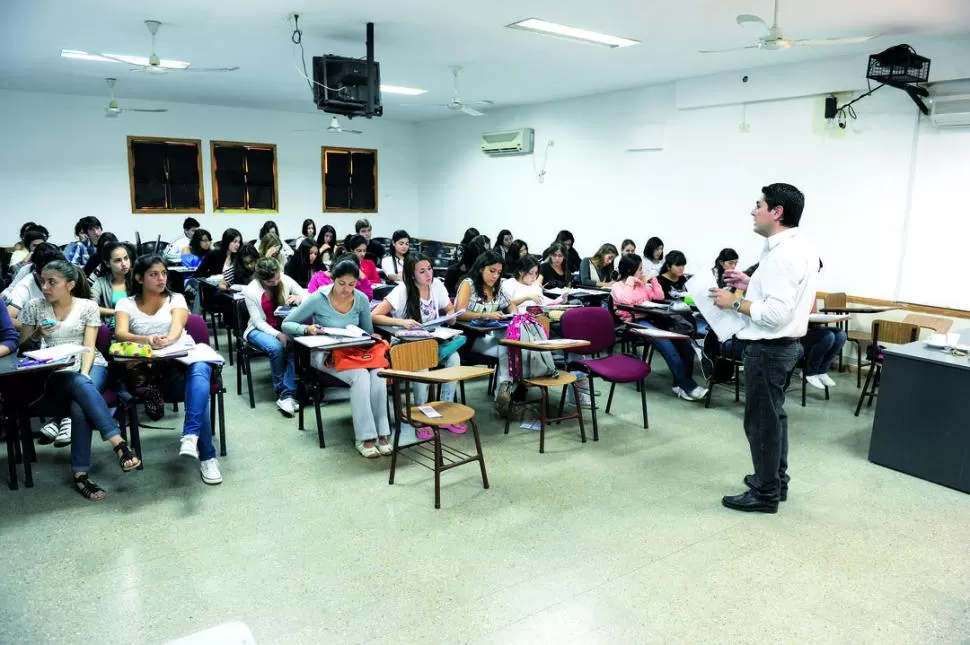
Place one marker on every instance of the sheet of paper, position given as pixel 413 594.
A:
pixel 182 345
pixel 725 322
pixel 351 331
pixel 237 287
pixel 554 342
pixel 576 292
pixel 657 333
pixel 429 411
pixel 442 319
pixel 331 341
pixel 56 352
pixel 445 333
pixel 281 312
pixel 201 354
pixel 821 318
pixel 531 425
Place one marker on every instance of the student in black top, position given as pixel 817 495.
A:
pixel 246 266
pixel 516 251
pixel 221 262
pixel 503 241
pixel 470 234
pixel 553 272
pixel 466 259
pixel 327 244
pixel 572 255
pixel 673 277
pixel 727 260
pixel 97 263
pixel 304 263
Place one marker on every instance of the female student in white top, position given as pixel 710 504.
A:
pixel 155 316
pixel 393 264
pixel 65 315
pixel 419 298
pixel 525 290
pixel 268 290
pixel 653 257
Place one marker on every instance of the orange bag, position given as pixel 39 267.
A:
pixel 368 358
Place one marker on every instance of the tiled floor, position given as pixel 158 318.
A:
pixel 620 541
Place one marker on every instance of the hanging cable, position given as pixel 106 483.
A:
pixel 297 38
pixel 847 112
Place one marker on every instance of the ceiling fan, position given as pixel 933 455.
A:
pixel 773 38
pixel 333 128
pixel 112 111
pixel 457 105
pixel 153 64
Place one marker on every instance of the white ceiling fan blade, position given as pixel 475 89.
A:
pixel 353 131
pixel 145 109
pixel 748 19
pixel 112 114
pixel 729 49
pixel 208 69
pixel 471 111
pixel 850 40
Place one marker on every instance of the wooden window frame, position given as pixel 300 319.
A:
pixel 215 184
pixel 323 178
pixel 131 176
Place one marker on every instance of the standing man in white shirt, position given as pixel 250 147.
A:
pixel 775 309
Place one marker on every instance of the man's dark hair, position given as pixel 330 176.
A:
pixel 789 198
pixel 89 222
pixel 190 222
pixel 361 224
pixel 33 235
pixel 44 253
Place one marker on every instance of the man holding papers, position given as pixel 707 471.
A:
pixel 774 312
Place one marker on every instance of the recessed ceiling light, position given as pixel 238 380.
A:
pixel 122 58
pixel 407 91
pixel 574 33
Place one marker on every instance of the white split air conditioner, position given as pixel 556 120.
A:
pixel 951 111
pixel 510 142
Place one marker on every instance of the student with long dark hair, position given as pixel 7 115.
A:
pixel 155 316
pixel 338 305
pixel 304 263
pixel 524 289
pixel 393 264
pixel 467 254
pixel 199 246
pixel 246 266
pixel 418 299
pixel 653 256
pixel 327 244
pixel 470 234
pixel 573 260
pixel 76 391
pixel 673 276
pixel 264 294
pixel 513 256
pixel 269 226
pixel 503 241
pixel 95 266
pixel 597 271
pixel 628 246
pixel 554 272
pixel 308 231
pixel 727 260
pixel 222 261
pixel 115 281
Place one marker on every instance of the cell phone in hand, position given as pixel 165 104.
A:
pixel 48 323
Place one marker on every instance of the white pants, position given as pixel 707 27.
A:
pixel 368 400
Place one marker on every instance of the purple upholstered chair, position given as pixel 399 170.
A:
pixel 595 325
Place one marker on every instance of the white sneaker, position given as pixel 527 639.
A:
pixel 285 406
pixel 189 446
pixel 815 382
pixel 698 393
pixel 63 437
pixel 294 404
pixel 210 471
pixel 684 395
pixel 50 430
pixel 826 380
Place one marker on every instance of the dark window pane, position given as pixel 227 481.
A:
pixel 185 196
pixel 149 161
pixel 261 197
pixel 149 195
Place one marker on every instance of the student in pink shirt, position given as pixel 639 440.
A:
pixel 322 278
pixel 634 288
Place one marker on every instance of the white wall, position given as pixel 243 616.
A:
pixel 62 160
pixel 696 193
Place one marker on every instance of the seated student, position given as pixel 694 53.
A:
pixel 480 295
pixel 393 265
pixel 634 288
pixel 653 257
pixel 270 246
pixel 467 255
pixel 628 247
pixel 338 305
pixel 357 245
pixel 18 250
pixel 470 234
pixel 307 231
pixel 513 256
pixel 269 226
pixel 199 246
pixel 553 271
pixel 672 276
pixel 726 260
pixel 503 241
pixel 222 262
pixel 822 345
pixel 304 263
pixel 189 225
pixel 28 287
pixel 115 281
pixel 419 298
pixel 572 255
pixel 88 231
pixel 96 264
pixel 525 289
pixel 77 390
pixel 327 244
pixel 9 338
pixel 246 267
pixel 264 294
pixel 33 238
pixel 375 252
pixel 597 271
pixel 155 316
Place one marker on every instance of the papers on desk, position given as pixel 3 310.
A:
pixel 56 352
pixel 558 291
pixel 554 342
pixel 434 322
pixel 237 287
pixel 281 312
pixel 658 333
pixel 181 346
pixel 649 304
pixel 316 342
pixel 825 318
pixel 201 354
pixel 213 280
pixel 350 331
pixel 725 322
pixel 445 333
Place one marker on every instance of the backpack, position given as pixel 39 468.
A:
pixel 524 363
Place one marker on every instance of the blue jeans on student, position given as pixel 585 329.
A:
pixel 281 362
pixel 88 411
pixel 194 381
pixel 822 346
pixel 679 356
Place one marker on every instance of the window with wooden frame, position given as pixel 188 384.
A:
pixel 165 175
pixel 244 177
pixel 349 180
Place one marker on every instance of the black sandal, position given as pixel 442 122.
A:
pixel 125 454
pixel 87 488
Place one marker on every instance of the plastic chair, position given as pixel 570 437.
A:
pixel 245 351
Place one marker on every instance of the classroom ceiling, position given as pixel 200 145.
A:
pixel 417 40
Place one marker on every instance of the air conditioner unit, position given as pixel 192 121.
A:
pixel 951 111
pixel 510 142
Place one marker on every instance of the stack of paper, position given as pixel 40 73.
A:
pixel 56 352
pixel 350 331
pixel 445 333
pixel 201 354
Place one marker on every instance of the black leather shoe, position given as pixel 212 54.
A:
pixel 749 501
pixel 750 483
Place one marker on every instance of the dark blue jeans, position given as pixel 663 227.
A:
pixel 281 362
pixel 194 381
pixel 767 369
pixel 679 356
pixel 88 411
pixel 822 346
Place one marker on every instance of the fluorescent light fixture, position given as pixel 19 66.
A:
pixel 407 91
pixel 122 58
pixel 574 33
